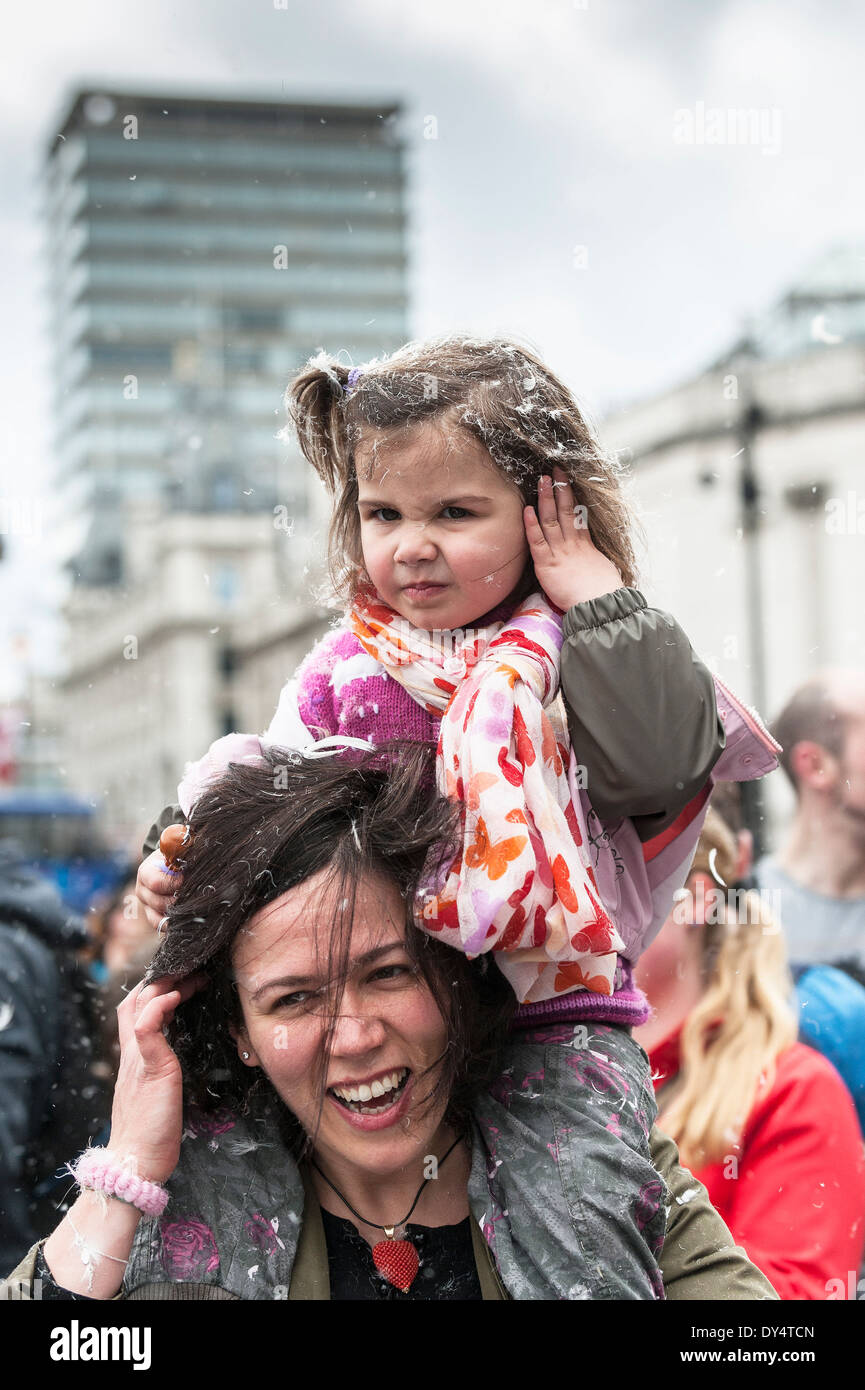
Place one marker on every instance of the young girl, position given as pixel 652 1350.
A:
pixel 481 544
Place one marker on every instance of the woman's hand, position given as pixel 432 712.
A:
pixel 89 1250
pixel 147 1115
pixel 155 886
pixel 568 565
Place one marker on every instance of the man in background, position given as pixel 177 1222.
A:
pixel 818 874
pixel 830 1002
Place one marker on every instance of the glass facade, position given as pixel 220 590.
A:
pixel 825 306
pixel 199 252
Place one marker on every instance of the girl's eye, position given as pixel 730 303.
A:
pixel 384 514
pixel 462 512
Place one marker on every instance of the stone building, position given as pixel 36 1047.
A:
pixel 749 480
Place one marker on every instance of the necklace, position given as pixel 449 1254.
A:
pixel 396 1260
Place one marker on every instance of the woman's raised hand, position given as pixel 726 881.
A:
pixel 147 1115
pixel 156 885
pixel 89 1250
pixel 569 567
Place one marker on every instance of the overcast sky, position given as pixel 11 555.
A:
pixel 555 124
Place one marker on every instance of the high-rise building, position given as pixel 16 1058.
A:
pixel 201 250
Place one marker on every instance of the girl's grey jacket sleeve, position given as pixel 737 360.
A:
pixel 641 710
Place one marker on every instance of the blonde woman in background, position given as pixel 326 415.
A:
pixel 762 1120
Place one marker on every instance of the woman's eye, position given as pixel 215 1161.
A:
pixel 391 972
pixel 295 1000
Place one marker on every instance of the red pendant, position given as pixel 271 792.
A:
pixel 398 1261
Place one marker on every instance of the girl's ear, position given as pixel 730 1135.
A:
pixel 245 1050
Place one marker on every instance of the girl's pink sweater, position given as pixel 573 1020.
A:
pixel 341 689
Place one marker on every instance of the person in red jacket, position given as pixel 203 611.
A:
pixel 763 1121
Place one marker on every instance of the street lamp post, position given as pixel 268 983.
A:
pixel 751 419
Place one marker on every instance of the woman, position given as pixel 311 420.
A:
pixel 328 1053
pixel 764 1122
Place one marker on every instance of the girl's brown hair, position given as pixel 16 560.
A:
pixel 495 389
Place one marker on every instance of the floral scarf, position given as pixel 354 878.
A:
pixel 521 884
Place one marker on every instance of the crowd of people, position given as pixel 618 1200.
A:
pixel 61 980
pixel 443 949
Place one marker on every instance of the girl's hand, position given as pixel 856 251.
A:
pixel 155 886
pixel 147 1115
pixel 568 565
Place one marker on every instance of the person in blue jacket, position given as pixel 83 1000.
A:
pixel 832 1021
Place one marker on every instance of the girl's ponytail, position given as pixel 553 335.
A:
pixel 496 390
pixel 315 401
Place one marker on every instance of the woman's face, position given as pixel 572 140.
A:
pixel 389 1036
pixel 128 933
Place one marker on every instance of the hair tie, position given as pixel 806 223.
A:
pixel 101 1171
pixel 353 376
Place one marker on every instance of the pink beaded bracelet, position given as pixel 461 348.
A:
pixel 99 1170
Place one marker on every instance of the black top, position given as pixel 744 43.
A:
pixel 447 1265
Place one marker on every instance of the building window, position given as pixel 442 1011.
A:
pixel 226 585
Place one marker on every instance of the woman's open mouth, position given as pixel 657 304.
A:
pixel 375 1097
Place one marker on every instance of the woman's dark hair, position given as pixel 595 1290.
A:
pixel 258 832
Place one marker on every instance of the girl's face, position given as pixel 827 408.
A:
pixel 441 528
pixel 388 1040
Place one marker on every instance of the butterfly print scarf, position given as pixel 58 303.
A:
pixel 521 884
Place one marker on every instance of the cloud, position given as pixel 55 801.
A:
pixel 555 129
